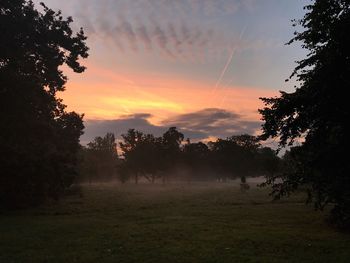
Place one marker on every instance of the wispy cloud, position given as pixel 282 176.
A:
pixel 161 38
pixel 179 29
pixel 144 36
pixel 128 33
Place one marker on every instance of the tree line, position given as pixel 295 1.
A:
pixel 170 156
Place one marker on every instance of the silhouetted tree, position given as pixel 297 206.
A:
pixel 236 156
pixel 87 161
pixel 317 111
pixel 130 152
pixel 223 156
pixel 152 157
pixel 268 161
pixel 149 156
pixel 147 152
pixel 171 142
pixel 39 139
pixel 246 157
pixel 100 159
pixel 143 155
pixel 248 142
pixel 196 158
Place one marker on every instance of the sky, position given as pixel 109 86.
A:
pixel 199 65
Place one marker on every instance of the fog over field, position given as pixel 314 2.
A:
pixel 199 131
pixel 176 222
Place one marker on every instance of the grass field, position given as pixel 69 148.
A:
pixel 174 223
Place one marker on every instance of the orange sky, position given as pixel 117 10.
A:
pixel 158 63
pixel 104 94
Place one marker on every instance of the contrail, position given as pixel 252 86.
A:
pixel 215 88
pixel 226 67
pixel 229 60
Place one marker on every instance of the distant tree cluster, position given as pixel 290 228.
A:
pixel 151 158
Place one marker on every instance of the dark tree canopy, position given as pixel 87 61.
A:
pixel 39 139
pixel 105 145
pixel 146 155
pixel 237 155
pixel 99 159
pixel 167 157
pixel 317 111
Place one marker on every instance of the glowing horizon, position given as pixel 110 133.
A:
pixel 162 97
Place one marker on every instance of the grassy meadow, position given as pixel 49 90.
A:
pixel 173 223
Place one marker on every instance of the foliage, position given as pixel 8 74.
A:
pixel 153 157
pixel 237 156
pixel 147 155
pixel 196 156
pixel 317 111
pixel 39 139
pixel 99 159
pixel 268 161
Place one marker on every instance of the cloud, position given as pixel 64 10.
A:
pixel 119 126
pixel 174 37
pixel 178 29
pixel 162 39
pixel 144 36
pixel 127 31
pixel 137 116
pixel 200 125
pixel 213 122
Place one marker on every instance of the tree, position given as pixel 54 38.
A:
pixel 149 156
pixel 246 141
pixel 100 159
pixel 317 111
pixel 129 149
pixel 236 156
pixel 268 161
pixel 39 139
pixel 106 145
pixel 224 155
pixel 142 153
pixel 196 158
pixel 246 159
pixel 171 142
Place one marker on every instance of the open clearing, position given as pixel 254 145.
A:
pixel 174 223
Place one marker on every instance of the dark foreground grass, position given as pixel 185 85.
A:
pixel 145 223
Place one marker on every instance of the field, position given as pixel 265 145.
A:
pixel 173 223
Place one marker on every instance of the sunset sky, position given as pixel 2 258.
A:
pixel 199 65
